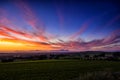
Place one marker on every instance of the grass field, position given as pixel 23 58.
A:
pixel 53 69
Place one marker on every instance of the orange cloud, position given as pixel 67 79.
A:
pixel 15 39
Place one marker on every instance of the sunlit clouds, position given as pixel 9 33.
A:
pixel 32 34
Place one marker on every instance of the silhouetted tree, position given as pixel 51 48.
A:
pixel 95 57
pixel 42 57
pixel 7 60
pixel 117 54
pixel 101 55
pixel 86 56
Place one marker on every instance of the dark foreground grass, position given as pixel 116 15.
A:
pixel 53 69
pixel 99 75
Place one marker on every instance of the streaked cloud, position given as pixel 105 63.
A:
pixel 13 38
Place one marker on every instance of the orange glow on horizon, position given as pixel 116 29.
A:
pixel 12 45
pixel 24 30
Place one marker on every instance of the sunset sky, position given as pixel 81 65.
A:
pixel 74 25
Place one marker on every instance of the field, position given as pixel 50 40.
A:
pixel 53 69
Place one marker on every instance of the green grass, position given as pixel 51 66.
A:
pixel 53 69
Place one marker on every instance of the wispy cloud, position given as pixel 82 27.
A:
pixel 39 39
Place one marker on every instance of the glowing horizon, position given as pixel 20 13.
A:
pixel 24 30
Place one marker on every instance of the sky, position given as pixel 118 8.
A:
pixel 74 25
